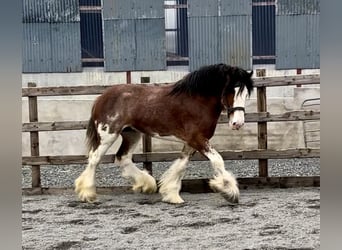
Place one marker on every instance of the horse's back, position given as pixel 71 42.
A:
pixel 129 102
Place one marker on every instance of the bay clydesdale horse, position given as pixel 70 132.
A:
pixel 188 109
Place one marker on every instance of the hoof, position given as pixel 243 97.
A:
pixel 85 194
pixel 228 190
pixel 145 184
pixel 230 198
pixel 173 199
pixel 88 196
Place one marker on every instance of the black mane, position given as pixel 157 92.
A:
pixel 212 80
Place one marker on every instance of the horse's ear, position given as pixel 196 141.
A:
pixel 250 74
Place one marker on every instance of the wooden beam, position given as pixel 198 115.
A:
pixel 146 139
pixel 64 91
pixel 300 115
pixel 34 137
pixel 287 80
pixel 160 157
pixel 96 89
pixel 262 130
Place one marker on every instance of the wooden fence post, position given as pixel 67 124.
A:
pixel 146 139
pixel 128 77
pixel 34 137
pixel 262 130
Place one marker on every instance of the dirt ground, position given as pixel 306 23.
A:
pixel 264 219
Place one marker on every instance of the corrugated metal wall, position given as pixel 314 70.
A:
pixel 220 32
pixel 297 34
pixel 51 36
pixel 134 35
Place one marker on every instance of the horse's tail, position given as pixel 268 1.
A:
pixel 93 138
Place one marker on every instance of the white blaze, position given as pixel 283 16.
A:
pixel 237 118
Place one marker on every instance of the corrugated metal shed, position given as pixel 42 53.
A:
pixel 51 36
pixel 134 35
pixel 297 34
pixel 220 32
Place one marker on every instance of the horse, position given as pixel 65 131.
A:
pixel 187 109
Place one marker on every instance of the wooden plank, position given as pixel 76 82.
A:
pixel 34 138
pixel 287 80
pixel 262 130
pixel 96 89
pixel 201 185
pixel 296 115
pixel 54 126
pixel 147 148
pixel 63 91
pixel 197 185
pixel 168 157
pixel 301 115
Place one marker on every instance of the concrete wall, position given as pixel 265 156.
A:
pixel 69 108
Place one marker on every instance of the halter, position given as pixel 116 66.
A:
pixel 233 109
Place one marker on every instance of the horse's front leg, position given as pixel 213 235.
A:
pixel 224 181
pixel 171 181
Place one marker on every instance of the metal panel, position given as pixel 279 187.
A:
pixel 149 9
pixel 52 40
pixel 202 8
pixel 36 47
pixel 203 41
pixel 134 35
pixel 298 7
pixel 235 7
pixel 223 38
pixel 65 47
pixel 133 9
pixel 118 9
pixel 235 41
pixel 119 45
pixel 151 50
pixel 42 11
pixel 297 35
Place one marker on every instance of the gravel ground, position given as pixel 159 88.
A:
pixel 281 219
pixel 109 174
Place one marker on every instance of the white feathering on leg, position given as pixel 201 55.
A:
pixel 223 182
pixel 171 181
pixel 141 179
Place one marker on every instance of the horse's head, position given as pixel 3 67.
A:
pixel 238 87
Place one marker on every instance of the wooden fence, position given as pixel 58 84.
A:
pixel 262 154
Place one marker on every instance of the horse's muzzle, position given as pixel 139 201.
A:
pixel 237 126
pixel 236 119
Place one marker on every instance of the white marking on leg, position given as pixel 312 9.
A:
pixel 171 181
pixel 85 183
pixel 141 180
pixel 223 181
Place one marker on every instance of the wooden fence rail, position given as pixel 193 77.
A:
pixel 96 89
pixel 262 117
pixel 299 115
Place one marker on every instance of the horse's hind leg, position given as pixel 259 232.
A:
pixel 85 183
pixel 141 180
pixel 171 180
